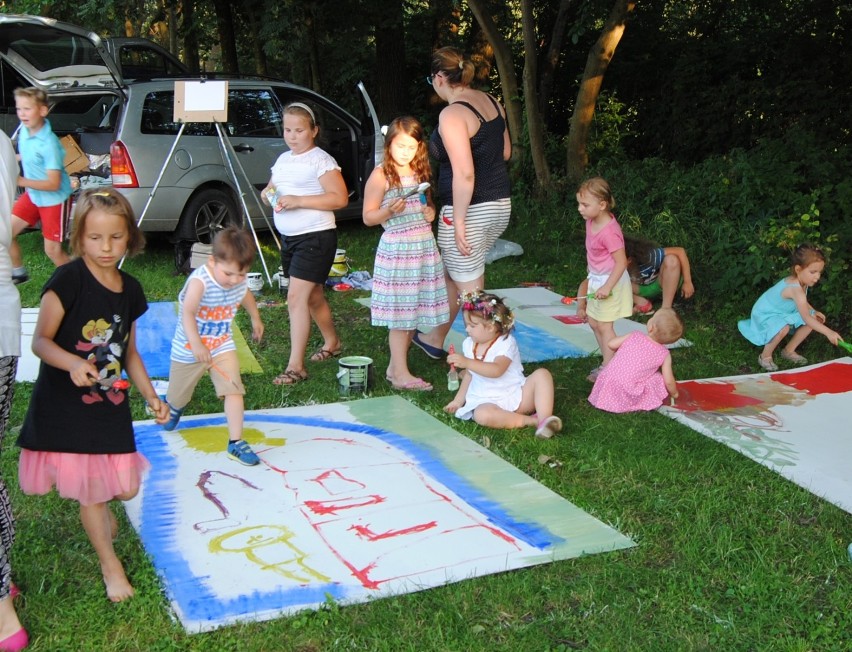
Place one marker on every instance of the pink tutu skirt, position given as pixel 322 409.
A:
pixel 87 478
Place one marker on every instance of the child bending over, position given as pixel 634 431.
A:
pixel 784 307
pixel 203 342
pixel 656 270
pixel 639 376
pixel 494 391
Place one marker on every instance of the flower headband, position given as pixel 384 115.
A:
pixel 486 306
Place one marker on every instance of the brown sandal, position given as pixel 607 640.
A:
pixel 289 377
pixel 325 354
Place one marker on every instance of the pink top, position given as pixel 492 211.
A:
pixel 632 379
pixel 601 245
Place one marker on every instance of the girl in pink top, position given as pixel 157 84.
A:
pixel 608 284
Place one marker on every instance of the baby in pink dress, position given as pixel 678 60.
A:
pixel 639 376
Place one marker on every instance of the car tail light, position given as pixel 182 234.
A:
pixel 123 174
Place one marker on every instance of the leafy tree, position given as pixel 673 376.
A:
pixel 590 86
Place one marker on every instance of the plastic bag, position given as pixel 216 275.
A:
pixel 503 248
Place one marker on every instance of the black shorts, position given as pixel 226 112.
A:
pixel 309 256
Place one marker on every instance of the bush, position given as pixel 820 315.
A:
pixel 740 215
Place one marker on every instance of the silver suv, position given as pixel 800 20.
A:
pixel 116 97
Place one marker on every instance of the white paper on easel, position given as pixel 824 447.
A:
pixel 206 96
pixel 201 101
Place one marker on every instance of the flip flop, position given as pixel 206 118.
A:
pixel 432 351
pixel 289 377
pixel 325 354
pixel 416 385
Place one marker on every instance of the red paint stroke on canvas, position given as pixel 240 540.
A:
pixel 571 320
pixel 833 378
pixel 365 532
pixel 335 506
pixel 335 478
pixel 711 397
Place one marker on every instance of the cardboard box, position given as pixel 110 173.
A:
pixel 75 158
pixel 200 253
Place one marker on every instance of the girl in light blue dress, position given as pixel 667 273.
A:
pixel 784 307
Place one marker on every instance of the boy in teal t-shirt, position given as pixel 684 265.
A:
pixel 46 184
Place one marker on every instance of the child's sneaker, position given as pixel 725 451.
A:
pixel 241 452
pixel 174 417
pixel 548 427
pixel 646 309
pixel 17 279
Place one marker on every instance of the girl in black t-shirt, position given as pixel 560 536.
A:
pixel 78 432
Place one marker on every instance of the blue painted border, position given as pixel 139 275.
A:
pixel 158 519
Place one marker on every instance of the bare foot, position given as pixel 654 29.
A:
pixel 118 587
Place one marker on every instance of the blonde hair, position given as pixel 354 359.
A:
pixel 109 201
pixel 303 111
pixel 37 95
pixel 668 327
pixel 452 64
pixel 599 188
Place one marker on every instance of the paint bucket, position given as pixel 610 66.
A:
pixel 255 282
pixel 355 375
pixel 340 266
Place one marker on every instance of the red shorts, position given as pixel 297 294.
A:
pixel 51 217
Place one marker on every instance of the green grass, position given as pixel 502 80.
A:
pixel 730 556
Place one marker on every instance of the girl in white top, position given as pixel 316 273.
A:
pixel 494 391
pixel 305 188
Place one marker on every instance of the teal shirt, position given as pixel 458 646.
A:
pixel 41 152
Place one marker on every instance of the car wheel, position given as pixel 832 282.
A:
pixel 207 213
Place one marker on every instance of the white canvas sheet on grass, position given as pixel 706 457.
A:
pixel 28 362
pixel 352 501
pixel 154 332
pixel 796 422
pixel 540 333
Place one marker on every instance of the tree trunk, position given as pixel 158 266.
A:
pixel 535 127
pixel 173 27
pixel 227 41
pixel 547 74
pixel 191 55
pixel 391 79
pixel 313 49
pixel 506 70
pixel 590 87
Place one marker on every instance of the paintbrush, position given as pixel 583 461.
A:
pixel 213 365
pixel 453 375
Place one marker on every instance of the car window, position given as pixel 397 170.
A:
pixel 79 112
pixel 251 113
pixel 139 61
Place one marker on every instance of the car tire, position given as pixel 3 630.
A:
pixel 208 212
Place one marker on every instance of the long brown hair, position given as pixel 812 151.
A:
pixel 419 164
